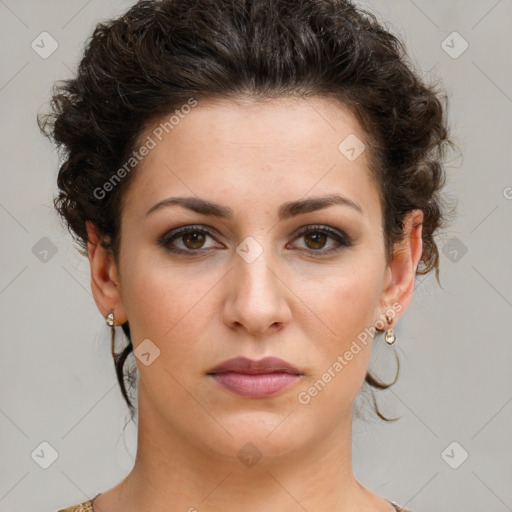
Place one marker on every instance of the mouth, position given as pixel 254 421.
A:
pixel 256 379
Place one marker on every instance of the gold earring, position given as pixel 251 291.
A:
pixel 109 320
pixel 390 333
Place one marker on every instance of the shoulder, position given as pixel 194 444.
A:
pixel 400 509
pixel 86 506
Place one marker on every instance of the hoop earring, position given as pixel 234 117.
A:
pixel 390 333
pixel 109 320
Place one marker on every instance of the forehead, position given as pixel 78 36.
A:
pixel 278 149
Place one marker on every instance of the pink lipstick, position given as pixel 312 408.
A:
pixel 255 379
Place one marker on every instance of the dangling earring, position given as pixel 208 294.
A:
pixel 109 320
pixel 390 333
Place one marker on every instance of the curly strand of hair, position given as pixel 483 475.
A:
pixel 375 383
pixel 119 362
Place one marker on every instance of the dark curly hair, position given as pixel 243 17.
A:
pixel 159 54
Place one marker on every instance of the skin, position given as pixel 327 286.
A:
pixel 289 302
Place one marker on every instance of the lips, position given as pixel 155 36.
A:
pixel 252 367
pixel 255 379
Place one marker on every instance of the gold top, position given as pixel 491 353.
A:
pixel 86 506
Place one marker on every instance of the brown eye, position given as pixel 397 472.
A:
pixel 187 240
pixel 193 240
pixel 315 240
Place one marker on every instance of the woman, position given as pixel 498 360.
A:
pixel 255 184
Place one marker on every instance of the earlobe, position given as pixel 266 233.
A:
pixel 105 284
pixel 401 272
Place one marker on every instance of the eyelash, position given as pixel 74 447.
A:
pixel 338 236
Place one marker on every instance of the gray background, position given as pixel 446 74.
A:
pixel 57 380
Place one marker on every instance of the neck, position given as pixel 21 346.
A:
pixel 172 469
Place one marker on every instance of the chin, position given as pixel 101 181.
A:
pixel 258 435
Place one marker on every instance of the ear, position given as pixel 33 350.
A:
pixel 401 272
pixel 105 284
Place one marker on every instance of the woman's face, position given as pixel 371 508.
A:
pixel 246 280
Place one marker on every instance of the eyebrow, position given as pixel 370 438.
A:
pixel 286 210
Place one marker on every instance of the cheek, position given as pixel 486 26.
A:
pixel 159 300
pixel 173 309
pixel 346 301
pixel 347 306
pixel 344 354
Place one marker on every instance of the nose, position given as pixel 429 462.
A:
pixel 258 297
